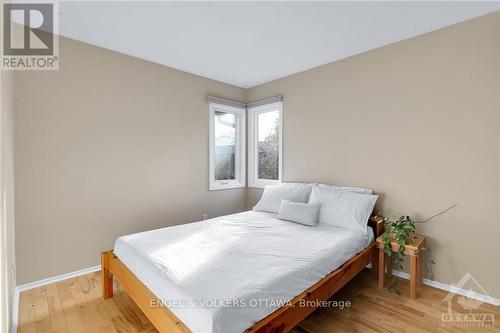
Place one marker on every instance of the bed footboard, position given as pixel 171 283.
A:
pixel 160 316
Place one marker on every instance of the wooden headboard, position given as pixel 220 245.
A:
pixel 377 224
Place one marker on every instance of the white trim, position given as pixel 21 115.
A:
pixel 439 285
pixel 224 101
pixel 15 311
pixel 44 282
pixel 264 101
pixel 40 283
pixel 240 147
pixel 253 113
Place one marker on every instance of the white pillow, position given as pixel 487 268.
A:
pixel 342 208
pixel 345 188
pixel 303 213
pixel 274 194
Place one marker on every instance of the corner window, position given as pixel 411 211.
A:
pixel 265 147
pixel 227 146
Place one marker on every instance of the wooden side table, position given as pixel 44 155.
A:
pixel 411 250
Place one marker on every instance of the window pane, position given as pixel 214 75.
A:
pixel 268 145
pixel 225 143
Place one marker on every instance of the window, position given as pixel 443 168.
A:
pixel 227 146
pixel 265 144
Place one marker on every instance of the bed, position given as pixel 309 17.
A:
pixel 243 272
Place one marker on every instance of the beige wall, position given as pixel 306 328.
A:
pixel 418 121
pixel 7 241
pixel 110 145
pixel 106 146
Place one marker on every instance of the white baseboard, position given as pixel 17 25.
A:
pixel 40 283
pixel 15 311
pixel 57 278
pixel 438 285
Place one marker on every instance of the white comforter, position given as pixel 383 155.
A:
pixel 224 274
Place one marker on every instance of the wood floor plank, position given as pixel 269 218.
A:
pixel 43 322
pixel 57 318
pixel 76 306
pixel 121 302
pixel 121 325
pixel 27 316
pixel 69 308
pixel 96 283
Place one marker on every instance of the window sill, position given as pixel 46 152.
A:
pixel 263 183
pixel 217 187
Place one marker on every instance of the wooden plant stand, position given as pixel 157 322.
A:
pixel 413 251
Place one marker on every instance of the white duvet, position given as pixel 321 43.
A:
pixel 224 274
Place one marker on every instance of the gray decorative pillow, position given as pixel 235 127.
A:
pixel 274 194
pixel 303 213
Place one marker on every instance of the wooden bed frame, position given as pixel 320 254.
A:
pixel 280 321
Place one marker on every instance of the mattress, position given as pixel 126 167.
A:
pixel 223 275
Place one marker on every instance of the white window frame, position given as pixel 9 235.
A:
pixel 253 113
pixel 240 145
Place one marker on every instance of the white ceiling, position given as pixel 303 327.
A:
pixel 250 43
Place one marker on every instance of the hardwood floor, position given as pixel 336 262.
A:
pixel 75 305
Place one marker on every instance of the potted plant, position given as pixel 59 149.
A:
pixel 401 231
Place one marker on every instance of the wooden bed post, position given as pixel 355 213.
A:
pixel 377 224
pixel 375 263
pixel 107 277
